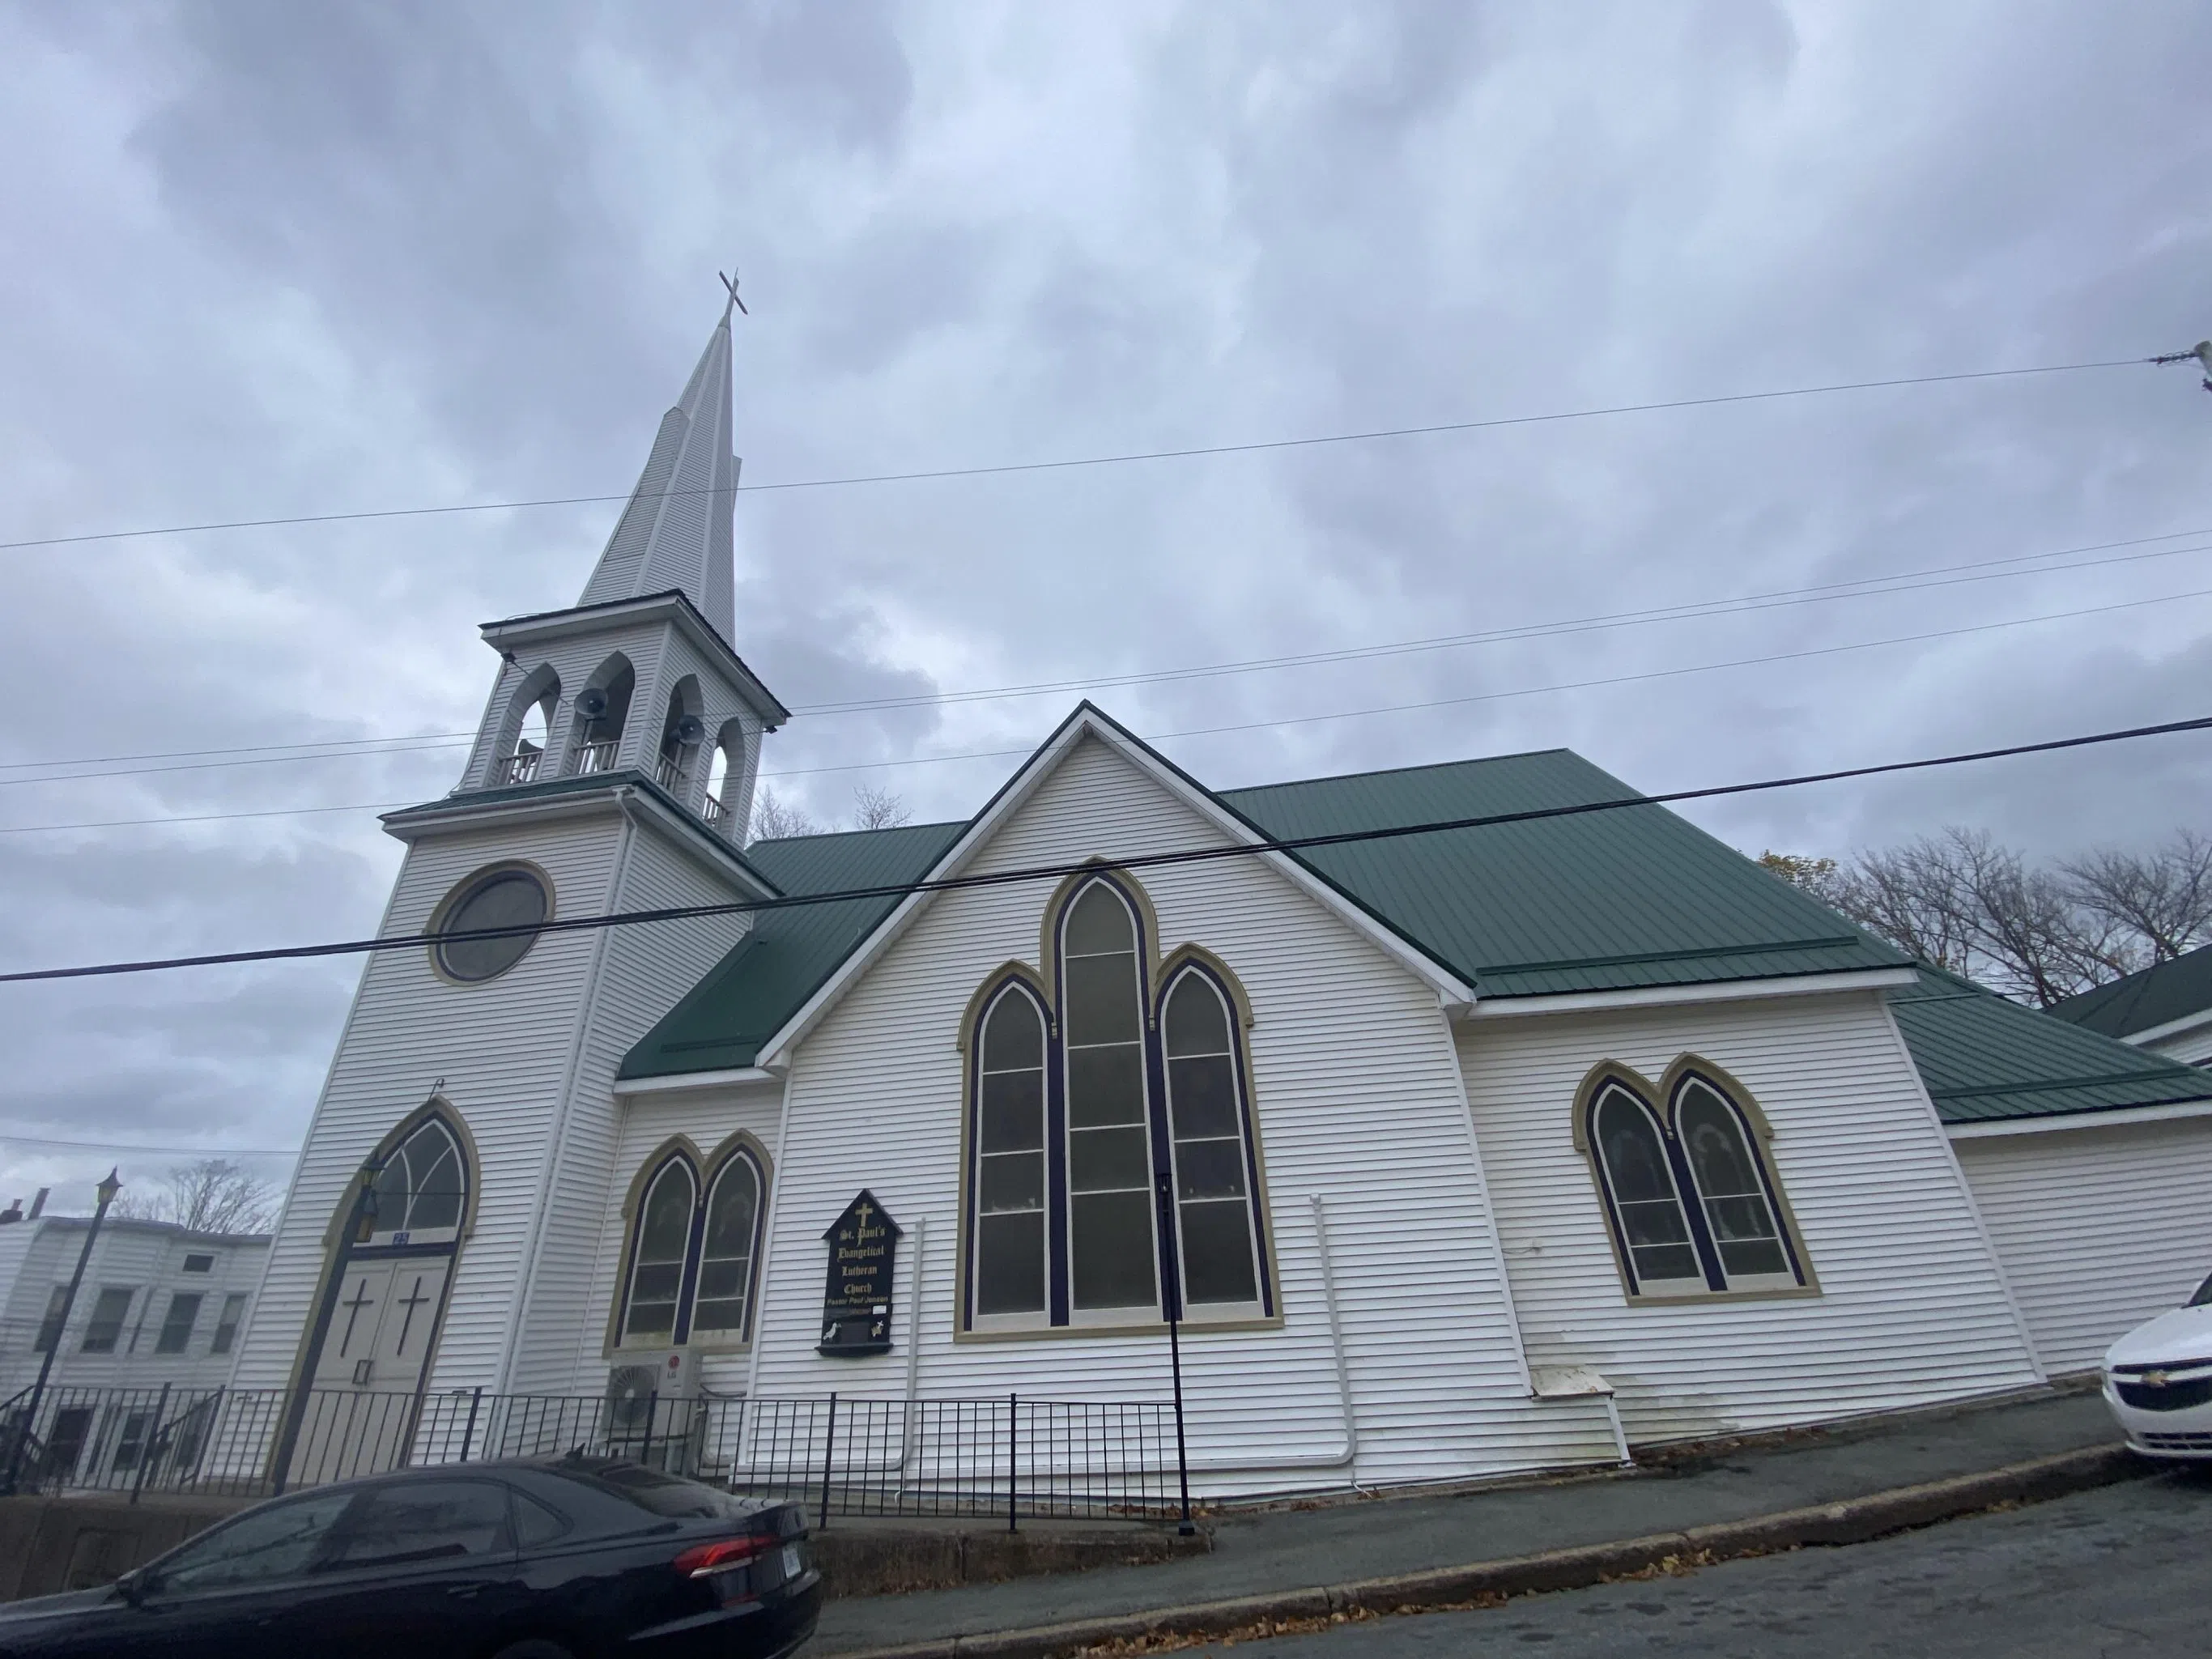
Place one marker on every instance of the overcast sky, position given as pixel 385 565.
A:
pixel 263 258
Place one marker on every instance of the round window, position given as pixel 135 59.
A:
pixel 506 898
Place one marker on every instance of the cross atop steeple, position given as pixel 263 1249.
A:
pixel 730 283
pixel 677 531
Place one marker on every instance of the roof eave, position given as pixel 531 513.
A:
pixel 672 603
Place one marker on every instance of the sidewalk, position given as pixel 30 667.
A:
pixel 1280 1551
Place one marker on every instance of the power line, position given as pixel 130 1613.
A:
pixel 1903 582
pixel 1059 872
pixel 9 1137
pixel 1123 458
pixel 1246 725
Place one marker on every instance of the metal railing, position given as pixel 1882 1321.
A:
pixel 520 766
pixel 999 1458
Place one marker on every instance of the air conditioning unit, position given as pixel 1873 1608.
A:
pixel 650 1407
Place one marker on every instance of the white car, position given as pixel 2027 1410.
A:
pixel 2157 1381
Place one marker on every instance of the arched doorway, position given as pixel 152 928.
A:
pixel 368 1351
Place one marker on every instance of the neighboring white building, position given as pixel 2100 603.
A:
pixel 1428 1121
pixel 159 1303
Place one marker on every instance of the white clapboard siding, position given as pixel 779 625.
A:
pixel 1911 1307
pixel 511 1052
pixel 707 1117
pixel 2098 1229
pixel 1357 1101
pixel 646 970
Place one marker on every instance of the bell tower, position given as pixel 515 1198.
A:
pixel 613 771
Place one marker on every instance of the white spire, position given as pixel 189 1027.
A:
pixel 676 531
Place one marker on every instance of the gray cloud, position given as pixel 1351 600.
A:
pixel 266 260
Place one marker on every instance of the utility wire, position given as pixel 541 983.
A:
pixel 1060 871
pixel 1093 460
pixel 9 1138
pixel 1903 582
pixel 1216 731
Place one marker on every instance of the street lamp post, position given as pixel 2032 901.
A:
pixel 106 1190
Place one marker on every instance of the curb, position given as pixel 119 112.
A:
pixel 1854 1521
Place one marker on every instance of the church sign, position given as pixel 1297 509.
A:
pixel 856 1303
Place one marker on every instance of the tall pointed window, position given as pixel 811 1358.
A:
pixel 1653 1231
pixel 1084 1106
pixel 1009 1176
pixel 726 1251
pixel 1694 1206
pixel 1219 1254
pixel 1109 1161
pixel 664 1238
pixel 690 1266
pixel 1734 1188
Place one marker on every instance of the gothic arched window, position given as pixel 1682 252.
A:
pixel 721 1305
pixel 1694 1206
pixel 1009 1173
pixel 1650 1224
pixel 1742 1211
pixel 661 1242
pixel 1110 1157
pixel 1082 1101
pixel 691 1260
pixel 421 1192
pixel 1218 1250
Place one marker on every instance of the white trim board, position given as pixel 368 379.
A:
pixel 2172 1028
pixel 2174 1112
pixel 690 1082
pixel 1666 996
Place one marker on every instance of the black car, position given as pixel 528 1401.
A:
pixel 557 1558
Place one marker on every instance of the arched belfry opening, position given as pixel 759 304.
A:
pixel 367 1354
pixel 682 731
pixel 527 732
pixel 602 712
pixel 729 806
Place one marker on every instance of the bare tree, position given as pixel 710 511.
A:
pixel 213 1195
pixel 2162 898
pixel 878 809
pixel 774 820
pixel 1959 901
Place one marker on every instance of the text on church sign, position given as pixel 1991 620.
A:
pixel 856 1303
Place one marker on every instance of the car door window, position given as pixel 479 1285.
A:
pixel 423 1521
pixel 535 1524
pixel 263 1547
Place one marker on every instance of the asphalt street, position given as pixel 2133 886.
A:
pixel 2122 1571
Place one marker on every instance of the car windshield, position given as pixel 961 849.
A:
pixel 2204 1297
pixel 662 1494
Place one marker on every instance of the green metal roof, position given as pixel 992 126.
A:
pixel 783 961
pixel 1606 902
pixel 1985 1057
pixel 2153 997
pixel 1609 901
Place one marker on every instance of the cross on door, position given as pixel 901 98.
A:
pixel 412 1300
pixel 361 1299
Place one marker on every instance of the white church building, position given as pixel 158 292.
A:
pixel 1429 1136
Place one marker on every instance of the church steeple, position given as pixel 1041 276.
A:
pixel 676 533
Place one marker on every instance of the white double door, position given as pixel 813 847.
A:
pixel 360 1410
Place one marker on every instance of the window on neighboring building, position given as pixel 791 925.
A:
pixel 130 1439
pixel 177 1328
pixel 108 1313
pixel 1077 1111
pixel 49 1325
pixel 200 1264
pixel 226 1326
pixel 1693 1205
pixel 690 1266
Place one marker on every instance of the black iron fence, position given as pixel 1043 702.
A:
pixel 1007 1458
